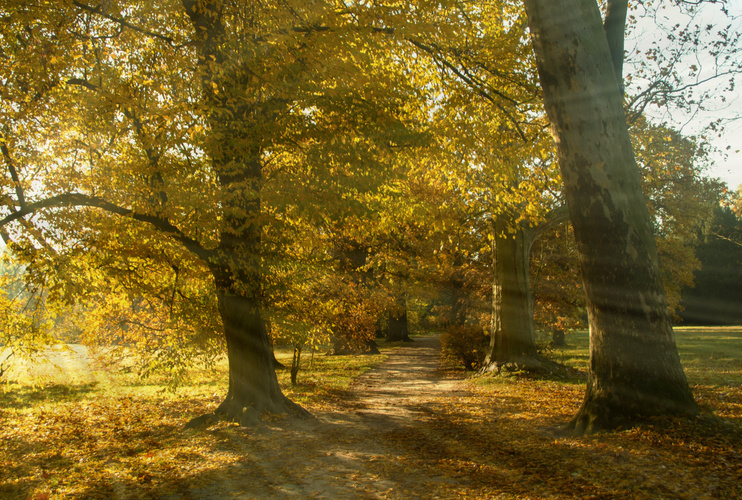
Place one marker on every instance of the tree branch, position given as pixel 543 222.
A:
pixel 83 83
pixel 99 10
pixel 615 27
pixel 555 217
pixel 13 172
pixel 478 87
pixel 82 200
pixel 726 238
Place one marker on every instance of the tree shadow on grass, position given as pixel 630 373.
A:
pixel 18 396
pixel 482 447
pixel 457 442
pixel 441 455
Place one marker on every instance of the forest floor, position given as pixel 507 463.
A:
pixel 409 428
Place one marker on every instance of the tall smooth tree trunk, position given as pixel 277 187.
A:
pixel 512 341
pixel 635 369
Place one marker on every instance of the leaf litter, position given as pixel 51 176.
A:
pixel 406 429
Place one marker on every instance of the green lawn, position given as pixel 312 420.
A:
pixel 89 434
pixel 710 355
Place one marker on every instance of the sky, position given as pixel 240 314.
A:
pixel 651 31
pixel 729 169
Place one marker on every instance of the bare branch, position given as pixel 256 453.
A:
pixel 726 238
pixel 477 86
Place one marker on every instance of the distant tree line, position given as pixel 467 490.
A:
pixel 716 298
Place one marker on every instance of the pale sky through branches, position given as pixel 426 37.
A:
pixel 652 30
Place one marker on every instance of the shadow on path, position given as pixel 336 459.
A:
pixel 356 453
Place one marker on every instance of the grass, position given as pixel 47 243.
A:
pixel 711 356
pixel 107 428
pixel 109 434
pixel 663 457
pixel 323 379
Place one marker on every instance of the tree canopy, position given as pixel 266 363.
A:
pixel 193 177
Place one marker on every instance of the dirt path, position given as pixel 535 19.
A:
pixel 367 451
pixel 404 431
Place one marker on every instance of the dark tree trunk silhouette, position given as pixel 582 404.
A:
pixel 397 326
pixel 558 338
pixel 295 364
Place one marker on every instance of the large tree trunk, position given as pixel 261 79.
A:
pixel 635 369
pixel 235 151
pixel 253 385
pixel 512 342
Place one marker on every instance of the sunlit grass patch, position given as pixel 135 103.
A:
pixel 120 435
pixel 711 355
pixel 660 458
pixel 711 358
pixel 576 353
pixel 124 438
pixel 322 378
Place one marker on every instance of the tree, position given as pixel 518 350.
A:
pixel 558 296
pixel 500 164
pixel 679 198
pixel 717 295
pixel 357 305
pixel 170 124
pixel 513 340
pixel 477 74
pixel 397 324
pixel 684 65
pixel 635 369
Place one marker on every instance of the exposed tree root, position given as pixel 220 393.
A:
pixel 534 366
pixel 247 416
pixel 201 422
pixel 607 413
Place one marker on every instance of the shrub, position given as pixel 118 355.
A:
pixel 465 344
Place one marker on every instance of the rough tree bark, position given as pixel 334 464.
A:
pixel 513 339
pixel 235 152
pixel 253 385
pixel 635 369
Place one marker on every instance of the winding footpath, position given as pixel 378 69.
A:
pixel 375 449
